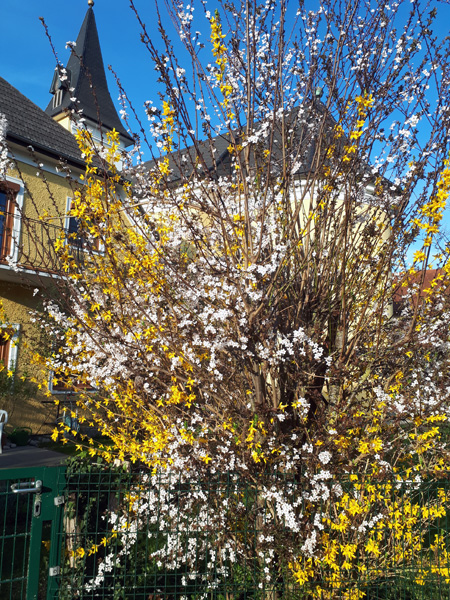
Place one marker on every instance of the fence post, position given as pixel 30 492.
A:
pixel 35 557
pixel 57 481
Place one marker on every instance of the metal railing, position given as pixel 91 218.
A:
pixel 31 244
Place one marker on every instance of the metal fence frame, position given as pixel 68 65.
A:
pixel 31 512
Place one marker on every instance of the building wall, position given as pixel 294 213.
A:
pixel 44 207
pixel 47 192
pixel 25 403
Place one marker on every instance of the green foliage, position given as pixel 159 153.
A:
pixel 405 587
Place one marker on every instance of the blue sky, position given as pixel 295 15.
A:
pixel 27 61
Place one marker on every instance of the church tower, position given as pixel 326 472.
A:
pixel 82 86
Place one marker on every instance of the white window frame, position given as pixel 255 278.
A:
pixel 13 345
pixel 98 134
pixel 57 98
pixel 67 218
pixel 66 392
pixel 17 219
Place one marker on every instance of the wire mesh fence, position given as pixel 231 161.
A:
pixel 151 537
pixel 15 520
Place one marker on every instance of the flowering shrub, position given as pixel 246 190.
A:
pixel 175 537
pixel 239 316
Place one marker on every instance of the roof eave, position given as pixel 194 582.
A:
pixel 46 151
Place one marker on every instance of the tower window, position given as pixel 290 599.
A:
pixel 57 98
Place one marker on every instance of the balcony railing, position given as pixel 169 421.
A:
pixel 31 244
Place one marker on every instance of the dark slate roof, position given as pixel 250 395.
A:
pixel 86 74
pixel 27 124
pixel 214 157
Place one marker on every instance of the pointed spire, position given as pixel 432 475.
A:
pixel 84 78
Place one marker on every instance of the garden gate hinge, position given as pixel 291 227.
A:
pixel 58 500
pixel 54 571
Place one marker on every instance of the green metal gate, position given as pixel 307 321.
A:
pixel 31 516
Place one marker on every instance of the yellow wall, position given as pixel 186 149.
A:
pixel 44 195
pixel 18 301
pixel 48 192
pixel 64 120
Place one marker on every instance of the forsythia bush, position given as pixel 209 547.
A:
pixel 245 303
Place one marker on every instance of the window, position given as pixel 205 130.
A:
pixel 60 83
pixel 11 202
pixel 77 238
pixel 8 192
pixel 57 386
pixel 57 98
pixel 72 228
pixel 4 349
pixel 9 336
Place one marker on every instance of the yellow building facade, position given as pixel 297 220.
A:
pixel 36 185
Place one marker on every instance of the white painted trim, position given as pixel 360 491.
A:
pixel 17 219
pixel 47 167
pixel 23 271
pixel 71 393
pixel 67 216
pixel 67 392
pixel 57 98
pixel 13 345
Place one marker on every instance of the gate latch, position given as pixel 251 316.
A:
pixel 54 571
pixel 37 506
pixel 27 487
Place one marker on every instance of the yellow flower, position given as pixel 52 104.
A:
pixel 348 550
pixel 372 547
pixel 419 256
pixel 363 447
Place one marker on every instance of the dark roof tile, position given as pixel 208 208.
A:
pixel 27 124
